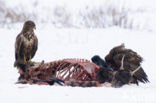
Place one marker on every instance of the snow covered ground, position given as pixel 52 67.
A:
pixel 58 30
pixel 57 44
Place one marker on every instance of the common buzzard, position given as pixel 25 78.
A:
pixel 126 61
pixel 26 45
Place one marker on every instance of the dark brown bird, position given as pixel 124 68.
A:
pixel 26 44
pixel 122 59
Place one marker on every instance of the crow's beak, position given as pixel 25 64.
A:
pixel 58 81
pixel 109 68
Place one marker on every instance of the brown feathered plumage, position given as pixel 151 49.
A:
pixel 26 44
pixel 131 61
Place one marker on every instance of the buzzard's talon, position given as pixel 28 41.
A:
pixel 30 62
pixel 29 59
pixel 25 61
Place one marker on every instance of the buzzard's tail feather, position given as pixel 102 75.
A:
pixel 142 76
pixel 21 66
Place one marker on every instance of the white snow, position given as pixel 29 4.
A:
pixel 55 44
pixel 59 43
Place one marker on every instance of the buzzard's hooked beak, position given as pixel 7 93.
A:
pixel 35 27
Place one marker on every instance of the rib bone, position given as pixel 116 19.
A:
pixel 121 67
pixel 133 72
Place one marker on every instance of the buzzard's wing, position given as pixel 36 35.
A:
pixel 141 76
pixel 115 55
pixel 138 75
pixel 18 46
pixel 35 46
pixel 18 50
